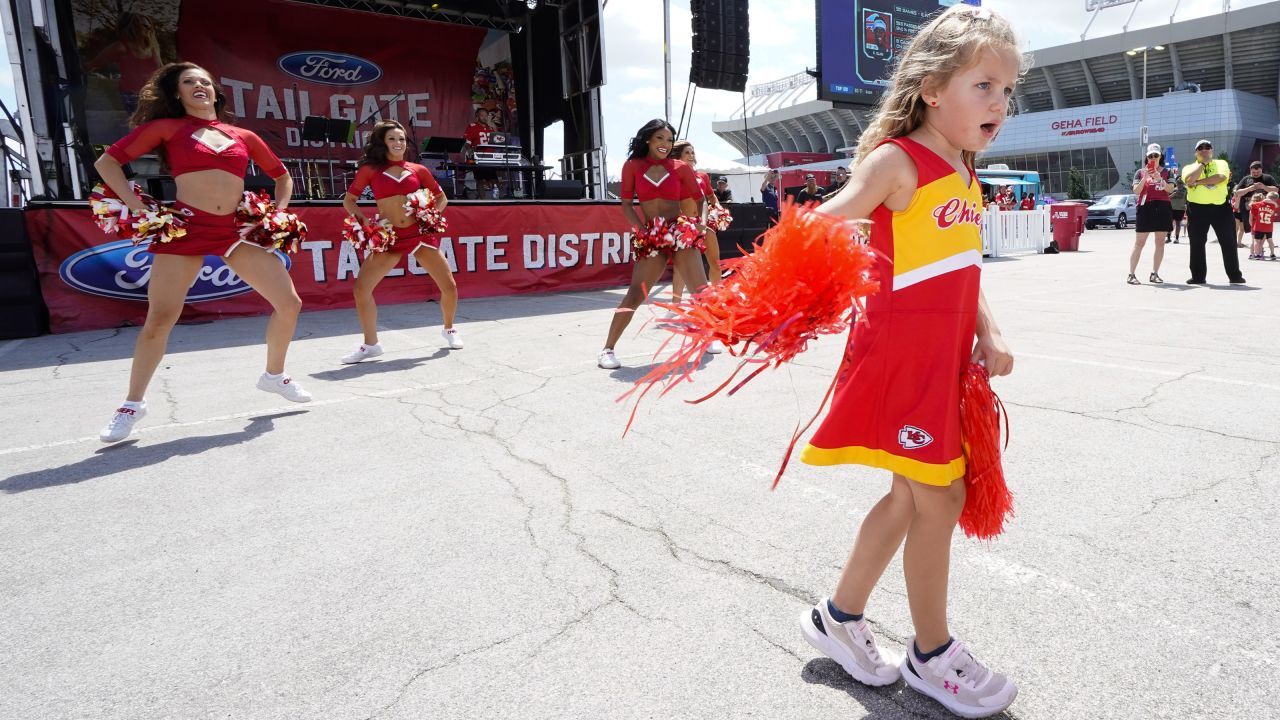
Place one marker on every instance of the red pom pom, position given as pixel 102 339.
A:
pixel 806 277
pixel 113 217
pixel 988 502
pixel 686 233
pixel 718 218
pixel 375 235
pixel 421 205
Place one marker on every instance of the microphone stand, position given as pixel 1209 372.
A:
pixel 381 107
pixel 302 145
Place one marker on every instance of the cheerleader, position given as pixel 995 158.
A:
pixel 384 169
pixel 666 189
pixel 180 118
pixel 684 152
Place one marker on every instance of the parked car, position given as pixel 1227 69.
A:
pixel 1114 210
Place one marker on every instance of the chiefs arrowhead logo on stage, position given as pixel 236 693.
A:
pixel 911 437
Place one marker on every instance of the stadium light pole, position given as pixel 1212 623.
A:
pixel 1132 53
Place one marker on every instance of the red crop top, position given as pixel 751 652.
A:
pixel 385 184
pixel 188 154
pixel 704 184
pixel 679 183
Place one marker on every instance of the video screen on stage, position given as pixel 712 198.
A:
pixel 860 40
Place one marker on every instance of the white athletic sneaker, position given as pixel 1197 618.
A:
pixel 608 360
pixel 851 644
pixel 122 423
pixel 452 337
pixel 285 387
pixel 363 352
pixel 715 348
pixel 959 681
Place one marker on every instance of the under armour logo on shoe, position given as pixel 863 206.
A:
pixel 288 380
pixel 955 689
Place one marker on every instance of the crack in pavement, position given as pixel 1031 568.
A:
pixel 419 674
pixel 528 520
pixel 114 333
pixel 1209 431
pixel 759 578
pixel 1146 402
pixel 63 358
pixel 776 644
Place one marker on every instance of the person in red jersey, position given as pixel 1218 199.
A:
pixel 684 151
pixel 478 134
pixel 384 169
pixel 1262 213
pixel 180 117
pixel 666 189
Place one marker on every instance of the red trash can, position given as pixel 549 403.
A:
pixel 1067 219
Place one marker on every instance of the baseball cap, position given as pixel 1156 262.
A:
pixel 1153 149
pixel 1203 144
pixel 810 176
pixel 1255 164
pixel 722 178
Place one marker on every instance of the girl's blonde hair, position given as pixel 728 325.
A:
pixel 943 47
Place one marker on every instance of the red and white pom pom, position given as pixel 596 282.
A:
pixel 372 236
pixel 254 207
pixel 807 276
pixel 687 234
pixel 421 205
pixel 653 239
pixel 160 225
pixel 282 229
pixel 718 218
pixel 987 501
pixel 112 216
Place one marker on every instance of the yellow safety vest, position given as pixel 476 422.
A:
pixel 1203 194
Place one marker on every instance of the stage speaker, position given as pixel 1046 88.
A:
pixel 561 190
pixel 721 44
pixel 714 80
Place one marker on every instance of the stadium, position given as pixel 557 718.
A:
pixel 1081 105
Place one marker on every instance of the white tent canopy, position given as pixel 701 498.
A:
pixel 744 180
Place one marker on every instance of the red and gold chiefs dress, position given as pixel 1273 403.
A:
pixel 897 400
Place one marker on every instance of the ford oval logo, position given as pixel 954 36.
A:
pixel 121 270
pixel 329 68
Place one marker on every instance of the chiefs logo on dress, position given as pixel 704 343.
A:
pixel 911 437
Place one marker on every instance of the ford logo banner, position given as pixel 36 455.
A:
pixel 329 68
pixel 121 270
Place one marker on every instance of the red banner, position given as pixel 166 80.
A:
pixel 90 284
pixel 279 62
